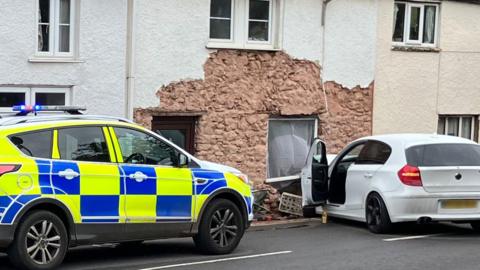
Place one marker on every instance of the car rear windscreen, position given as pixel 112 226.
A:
pixel 444 155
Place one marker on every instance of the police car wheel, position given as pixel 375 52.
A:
pixel 221 228
pixel 41 242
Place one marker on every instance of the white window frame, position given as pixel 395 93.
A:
pixel 473 118
pixel 30 94
pixel 25 91
pixel 240 28
pixel 65 91
pixel 232 25
pixel 406 28
pixel 54 42
pixel 270 23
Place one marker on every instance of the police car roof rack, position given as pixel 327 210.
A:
pixel 72 113
pixel 24 110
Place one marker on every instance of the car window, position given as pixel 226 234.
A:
pixel 352 155
pixel 83 144
pixel 374 153
pixel 444 155
pixel 141 148
pixel 35 144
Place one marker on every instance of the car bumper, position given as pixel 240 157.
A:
pixel 6 235
pixel 416 204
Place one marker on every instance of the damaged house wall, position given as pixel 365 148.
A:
pixel 243 89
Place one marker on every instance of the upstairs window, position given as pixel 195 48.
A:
pixel 415 24
pixel 221 14
pixel 55 35
pixel 248 24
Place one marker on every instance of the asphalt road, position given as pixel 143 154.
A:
pixel 339 245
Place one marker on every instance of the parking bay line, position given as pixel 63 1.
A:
pixel 219 260
pixel 412 237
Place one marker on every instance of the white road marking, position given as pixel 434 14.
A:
pixel 412 237
pixel 219 260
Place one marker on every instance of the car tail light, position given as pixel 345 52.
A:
pixel 4 169
pixel 410 176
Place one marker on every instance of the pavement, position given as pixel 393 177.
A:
pixel 307 244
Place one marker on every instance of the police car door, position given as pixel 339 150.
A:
pixel 156 190
pixel 86 177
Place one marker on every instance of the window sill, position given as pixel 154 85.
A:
pixel 251 47
pixel 54 60
pixel 406 48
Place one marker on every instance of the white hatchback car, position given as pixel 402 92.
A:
pixel 394 178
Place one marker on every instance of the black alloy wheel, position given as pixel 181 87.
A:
pixel 221 228
pixel 376 214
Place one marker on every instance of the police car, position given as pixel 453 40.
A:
pixel 71 179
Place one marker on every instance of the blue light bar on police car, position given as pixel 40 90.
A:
pixel 39 108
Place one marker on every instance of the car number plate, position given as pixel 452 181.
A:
pixel 459 204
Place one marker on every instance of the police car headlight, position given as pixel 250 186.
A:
pixel 244 177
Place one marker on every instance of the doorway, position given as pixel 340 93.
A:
pixel 178 129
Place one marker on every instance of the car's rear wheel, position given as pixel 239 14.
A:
pixel 378 220
pixel 221 228
pixel 41 242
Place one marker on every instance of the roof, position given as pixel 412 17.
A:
pixel 15 120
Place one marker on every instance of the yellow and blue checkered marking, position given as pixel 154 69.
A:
pixel 167 194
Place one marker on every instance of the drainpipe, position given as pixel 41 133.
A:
pixel 324 14
pixel 130 60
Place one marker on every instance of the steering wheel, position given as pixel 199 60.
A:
pixel 136 158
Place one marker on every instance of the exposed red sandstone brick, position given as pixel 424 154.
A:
pixel 242 89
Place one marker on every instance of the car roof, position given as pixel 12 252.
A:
pixel 12 120
pixel 412 139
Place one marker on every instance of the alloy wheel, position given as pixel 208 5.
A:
pixel 43 242
pixel 223 227
pixel 373 212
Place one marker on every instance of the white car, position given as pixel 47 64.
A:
pixel 395 178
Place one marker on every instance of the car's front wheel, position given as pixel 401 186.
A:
pixel 221 228
pixel 41 242
pixel 378 220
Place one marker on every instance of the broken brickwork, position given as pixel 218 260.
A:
pixel 242 89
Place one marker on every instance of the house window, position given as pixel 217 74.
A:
pixel 415 24
pixel 31 96
pixel 461 126
pixel 259 18
pixel 244 24
pixel 55 28
pixel 289 140
pixel 221 14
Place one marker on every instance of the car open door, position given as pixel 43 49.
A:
pixel 314 175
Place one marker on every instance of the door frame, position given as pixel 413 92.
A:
pixel 178 122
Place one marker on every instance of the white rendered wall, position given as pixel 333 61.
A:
pixel 98 81
pixel 170 45
pixel 350 42
pixel 171 40
pixel 413 88
pixel 303 34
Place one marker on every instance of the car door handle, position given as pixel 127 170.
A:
pixel 138 176
pixel 368 175
pixel 68 174
pixel 200 181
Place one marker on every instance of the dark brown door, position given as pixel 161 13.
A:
pixel 178 129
